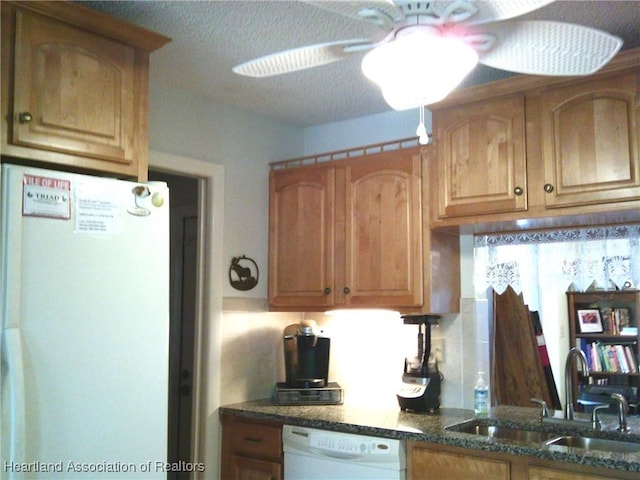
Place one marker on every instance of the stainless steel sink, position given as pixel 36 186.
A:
pixel 498 431
pixel 483 429
pixel 589 443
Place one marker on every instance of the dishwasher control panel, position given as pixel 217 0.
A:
pixel 355 444
pixel 364 449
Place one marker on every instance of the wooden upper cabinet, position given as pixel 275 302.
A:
pixel 590 137
pixel 301 229
pixel 553 151
pixel 347 233
pixel 383 236
pixel 481 157
pixel 77 88
pixel 71 95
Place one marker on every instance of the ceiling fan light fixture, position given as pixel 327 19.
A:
pixel 421 66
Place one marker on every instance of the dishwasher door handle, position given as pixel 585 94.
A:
pixel 332 454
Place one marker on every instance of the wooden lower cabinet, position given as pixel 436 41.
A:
pixel 427 461
pixel 244 468
pixel 251 449
pixel 541 473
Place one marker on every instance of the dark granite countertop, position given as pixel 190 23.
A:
pixel 430 427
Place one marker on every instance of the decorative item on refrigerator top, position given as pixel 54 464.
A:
pixel 420 389
pixel 306 359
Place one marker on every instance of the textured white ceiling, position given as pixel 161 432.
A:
pixel 210 37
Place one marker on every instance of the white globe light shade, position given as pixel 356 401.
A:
pixel 419 67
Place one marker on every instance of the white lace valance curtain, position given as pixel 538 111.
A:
pixel 608 256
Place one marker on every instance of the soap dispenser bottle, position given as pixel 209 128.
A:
pixel 481 397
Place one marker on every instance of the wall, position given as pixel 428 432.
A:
pixel 379 128
pixel 192 126
pixel 252 352
pixel 367 354
pixel 368 349
pixel 474 331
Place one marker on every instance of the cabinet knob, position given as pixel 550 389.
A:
pixel 518 191
pixel 346 290
pixel 25 117
pixel 548 188
pixel 327 291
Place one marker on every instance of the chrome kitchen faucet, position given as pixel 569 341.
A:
pixel 568 378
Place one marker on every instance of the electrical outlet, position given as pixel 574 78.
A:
pixel 438 348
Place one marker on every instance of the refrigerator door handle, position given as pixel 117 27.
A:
pixel 13 357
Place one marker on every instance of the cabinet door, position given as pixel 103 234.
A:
pixel 301 230
pixel 431 464
pixel 590 139
pixel 74 92
pixel 245 468
pixel 540 473
pixel 481 158
pixel 250 450
pixel 383 230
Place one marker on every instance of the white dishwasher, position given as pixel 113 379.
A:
pixel 315 454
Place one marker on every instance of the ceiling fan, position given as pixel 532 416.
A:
pixel 424 49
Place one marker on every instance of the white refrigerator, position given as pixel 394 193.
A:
pixel 85 326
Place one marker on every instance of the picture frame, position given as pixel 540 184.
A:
pixel 590 321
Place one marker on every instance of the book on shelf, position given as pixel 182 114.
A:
pixel 609 358
pixel 614 320
pixel 622 358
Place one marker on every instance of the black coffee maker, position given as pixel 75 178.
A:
pixel 306 356
pixel 420 389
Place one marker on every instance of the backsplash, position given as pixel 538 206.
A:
pixel 252 358
pixel 367 353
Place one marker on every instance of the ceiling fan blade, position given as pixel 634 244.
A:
pixel 548 48
pixel 495 10
pixel 301 58
pixel 382 13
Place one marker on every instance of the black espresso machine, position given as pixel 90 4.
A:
pixel 420 389
pixel 306 362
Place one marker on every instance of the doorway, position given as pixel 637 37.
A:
pixel 205 440
pixel 184 211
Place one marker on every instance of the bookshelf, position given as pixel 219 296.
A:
pixel 604 325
